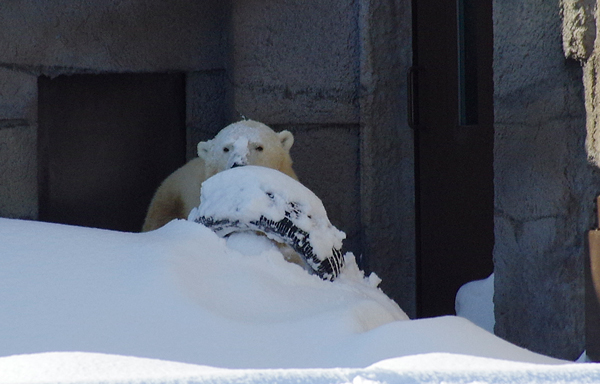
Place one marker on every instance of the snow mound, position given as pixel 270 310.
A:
pixel 179 293
pixel 253 198
pixel 475 301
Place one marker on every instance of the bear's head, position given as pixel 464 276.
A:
pixel 247 142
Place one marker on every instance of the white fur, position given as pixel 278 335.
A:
pixel 246 142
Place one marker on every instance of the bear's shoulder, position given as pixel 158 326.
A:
pixel 187 181
pixel 176 195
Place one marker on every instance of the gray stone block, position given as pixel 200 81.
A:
pixel 18 172
pixel 18 97
pixel 579 28
pixel 294 62
pixel 544 187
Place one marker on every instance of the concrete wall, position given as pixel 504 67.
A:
pixel 294 62
pixel 66 37
pixel 18 144
pixel 386 148
pixel 544 187
pixel 333 73
pixel 581 22
pixel 112 36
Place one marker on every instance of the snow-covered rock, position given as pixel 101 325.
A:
pixel 253 198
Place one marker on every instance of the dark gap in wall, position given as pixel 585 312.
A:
pixel 105 143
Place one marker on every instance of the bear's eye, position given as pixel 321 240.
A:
pixel 225 149
pixel 259 148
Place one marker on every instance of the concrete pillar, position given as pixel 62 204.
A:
pixel 544 187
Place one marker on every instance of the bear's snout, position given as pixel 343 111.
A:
pixel 237 161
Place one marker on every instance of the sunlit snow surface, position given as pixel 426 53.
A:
pixel 73 367
pixel 77 303
pixel 177 293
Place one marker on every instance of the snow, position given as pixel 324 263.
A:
pixel 475 301
pixel 178 293
pixel 182 305
pixel 247 195
pixel 74 300
pixel 74 367
pixel 239 130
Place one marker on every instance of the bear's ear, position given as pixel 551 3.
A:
pixel 204 148
pixel 287 139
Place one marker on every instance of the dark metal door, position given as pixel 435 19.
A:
pixel 105 143
pixel 452 114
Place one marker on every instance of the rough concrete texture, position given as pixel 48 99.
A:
pixel 18 97
pixel 579 27
pixel 544 187
pixel 18 172
pixel 295 62
pixel 386 148
pixel 591 74
pixel 112 35
pixel 18 145
pixel 580 24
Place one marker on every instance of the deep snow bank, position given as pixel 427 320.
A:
pixel 181 293
pixel 177 293
pixel 74 368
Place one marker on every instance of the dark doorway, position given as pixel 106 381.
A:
pixel 105 143
pixel 452 114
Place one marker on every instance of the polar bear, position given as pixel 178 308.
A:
pixel 246 142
